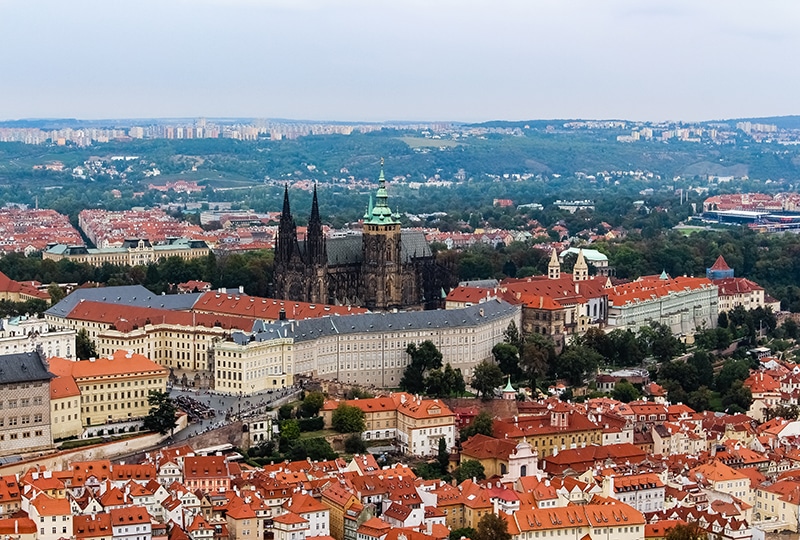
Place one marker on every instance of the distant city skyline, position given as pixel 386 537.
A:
pixel 361 61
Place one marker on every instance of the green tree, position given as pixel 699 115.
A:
pixel 658 341
pixel 733 370
pixel 512 336
pixel 290 430
pixel 443 456
pixel 316 448
pixel 506 356
pixel 312 403
pixel 538 353
pixel 161 416
pixel 485 378
pixel 625 348
pixel 56 293
pixel 286 412
pixel 790 328
pixel 354 444
pixel 686 531
pixel 492 527
pixel 700 399
pixel 464 532
pixel 483 423
pixel 787 412
pixel 625 392
pixel 737 399
pixel 348 419
pixel 575 362
pixel 701 361
pixel 470 468
pixel 84 346
pixel 447 382
pixel 423 359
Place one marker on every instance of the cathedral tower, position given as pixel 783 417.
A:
pixel 316 256
pixel 381 273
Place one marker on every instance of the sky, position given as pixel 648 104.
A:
pixel 413 60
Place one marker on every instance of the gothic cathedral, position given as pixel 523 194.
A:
pixel 383 269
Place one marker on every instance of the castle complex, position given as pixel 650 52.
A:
pixel 385 268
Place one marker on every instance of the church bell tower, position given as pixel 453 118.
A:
pixel 381 272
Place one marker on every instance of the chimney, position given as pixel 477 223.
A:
pixel 241 289
pixel 282 315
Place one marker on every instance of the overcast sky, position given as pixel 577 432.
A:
pixel 375 60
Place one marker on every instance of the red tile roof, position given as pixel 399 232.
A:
pixel 120 363
pixel 266 308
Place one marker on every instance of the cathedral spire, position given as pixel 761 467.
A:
pixel 381 214
pixel 315 238
pixel 287 231
pixel 286 210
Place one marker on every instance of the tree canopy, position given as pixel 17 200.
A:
pixel 348 419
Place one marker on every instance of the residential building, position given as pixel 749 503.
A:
pixel 416 424
pixel 24 403
pixel 113 389
pixel 560 428
pixel 18 291
pixel 290 526
pixel 92 527
pixel 132 252
pixel 52 516
pixel 131 523
pixel 683 304
pixel 644 491
pixel 208 473
pixel 735 292
pixel 65 408
pixel 618 521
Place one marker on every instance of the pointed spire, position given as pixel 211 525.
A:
pixel 581 270
pixel 314 206
pixel 286 210
pixel 554 267
pixel 380 213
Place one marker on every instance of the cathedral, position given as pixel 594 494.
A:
pixel 383 269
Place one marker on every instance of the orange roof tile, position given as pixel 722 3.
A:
pixel 120 363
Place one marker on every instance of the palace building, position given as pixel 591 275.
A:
pixel 383 269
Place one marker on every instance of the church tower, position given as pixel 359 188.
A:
pixel 287 252
pixel 316 256
pixel 581 270
pixel 381 270
pixel 553 267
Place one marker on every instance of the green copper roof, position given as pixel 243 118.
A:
pixel 380 213
pixel 508 387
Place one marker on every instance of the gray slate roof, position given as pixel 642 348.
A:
pixel 379 322
pixel 23 367
pixel 348 249
pixel 125 295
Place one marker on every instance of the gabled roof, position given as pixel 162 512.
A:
pixel 121 362
pixel 480 446
pixel 131 515
pixel 23 367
